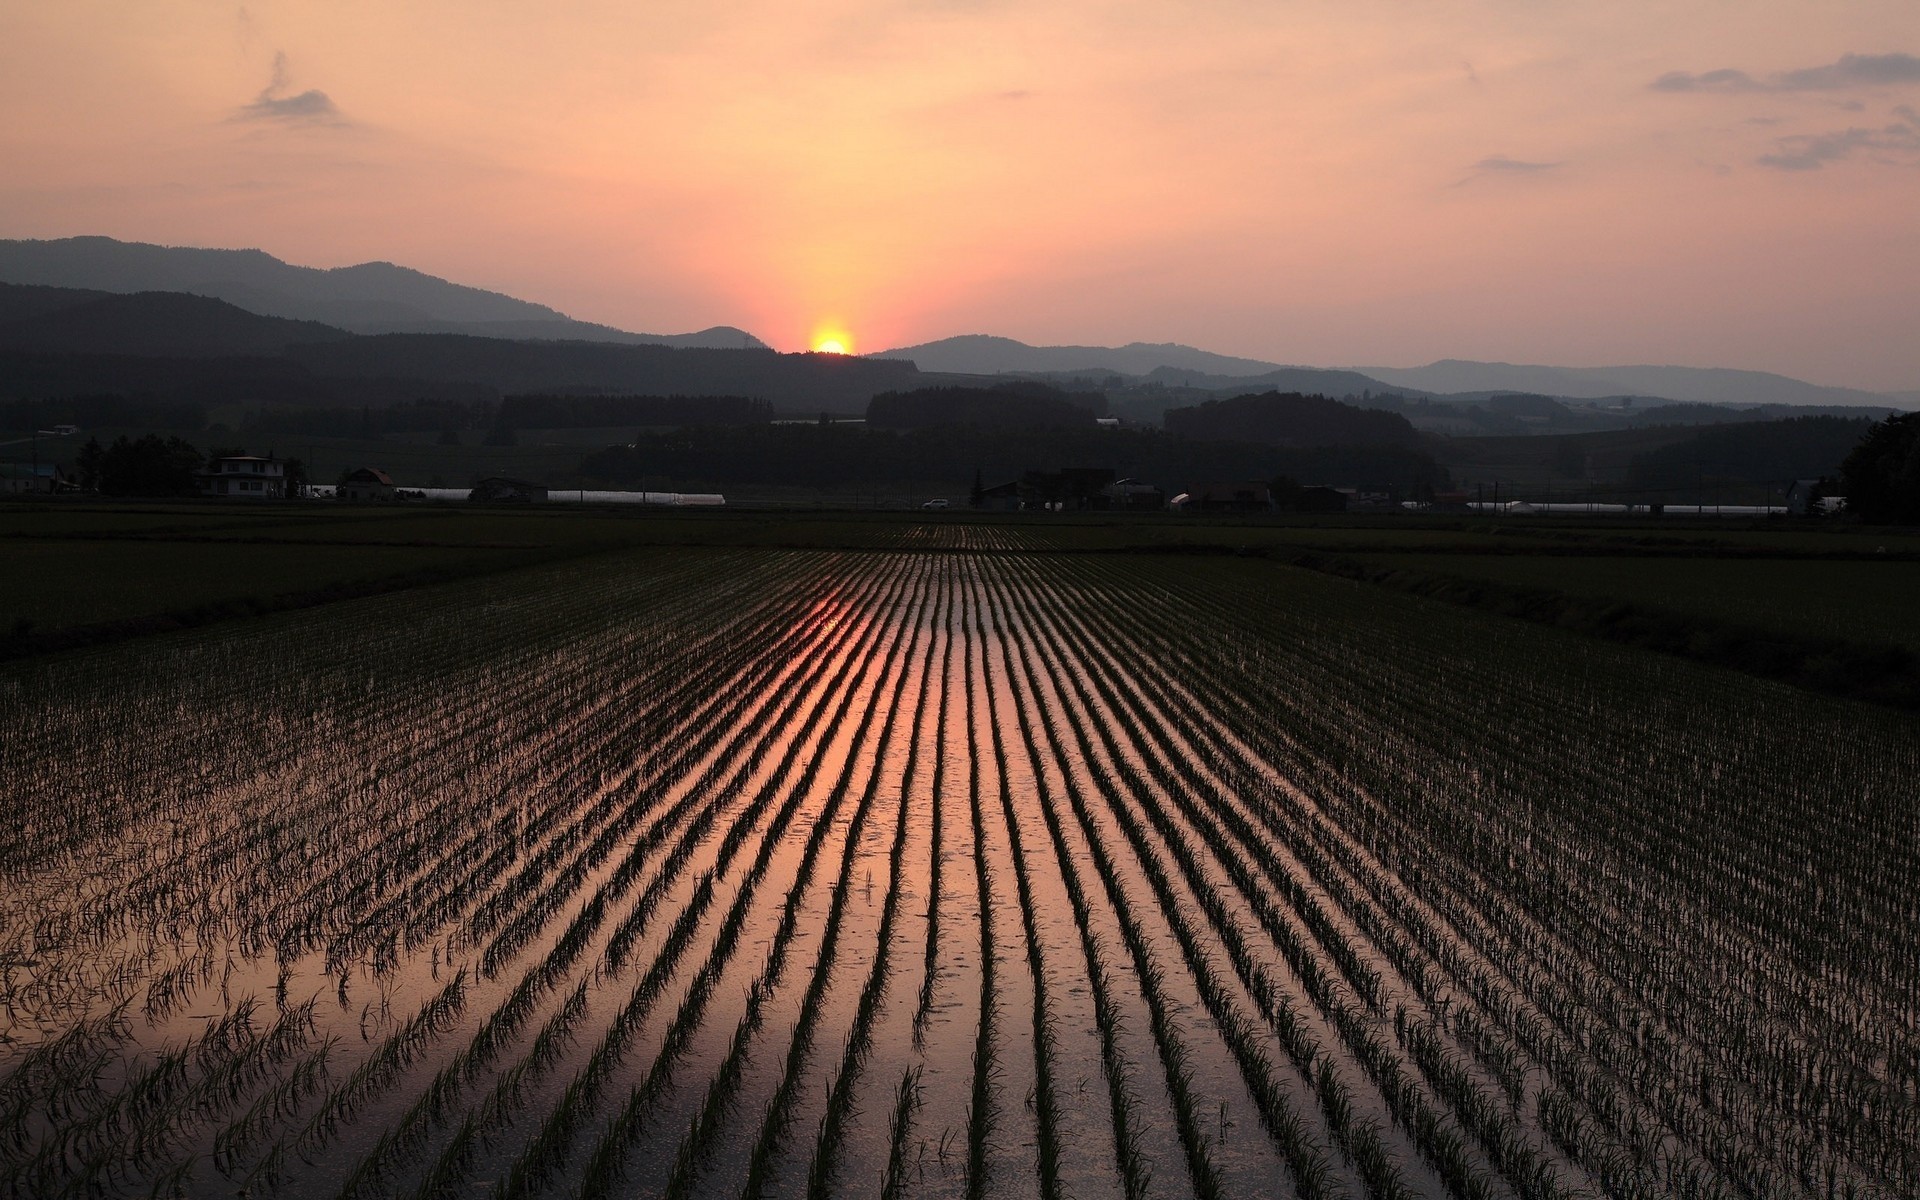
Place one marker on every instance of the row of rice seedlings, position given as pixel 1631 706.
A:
pixel 779 1112
pixel 936 855
pixel 981 1112
pixel 906 1101
pixel 1744 978
pixel 1438 1143
pixel 596 711
pixel 401 1140
pixel 1174 1055
pixel 1305 1156
pixel 1513 1153
pixel 1134 1168
pixel 57 1080
pixel 1359 1139
pixel 605 1164
pixel 797 683
pixel 164 1103
pixel 712 689
pixel 553 1140
pixel 595 721
pixel 821 1170
pixel 1571 1014
pixel 380 1068
pixel 1046 1106
pixel 235 1145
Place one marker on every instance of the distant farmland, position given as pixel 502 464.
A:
pixel 961 868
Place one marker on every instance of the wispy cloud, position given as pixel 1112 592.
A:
pixel 1850 71
pixel 1500 163
pixel 1897 142
pixel 1499 166
pixel 312 106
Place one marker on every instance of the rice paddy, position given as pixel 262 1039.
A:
pixel 955 868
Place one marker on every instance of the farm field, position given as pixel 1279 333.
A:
pixel 1857 601
pixel 946 869
pixel 74 565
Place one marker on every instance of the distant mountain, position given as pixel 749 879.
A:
pixel 980 354
pixel 163 324
pixel 376 297
pixel 1274 419
pixel 1709 385
pixel 1307 380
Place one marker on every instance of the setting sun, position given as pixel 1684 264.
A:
pixel 833 341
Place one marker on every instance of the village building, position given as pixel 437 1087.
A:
pixel 366 483
pixel 1131 495
pixel 1252 496
pixel 24 478
pixel 246 476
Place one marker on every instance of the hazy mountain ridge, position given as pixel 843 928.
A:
pixel 1703 385
pixel 375 297
pixel 1462 379
pixel 986 354
pixel 164 324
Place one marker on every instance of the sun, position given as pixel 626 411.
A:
pixel 832 341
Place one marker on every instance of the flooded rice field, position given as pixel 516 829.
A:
pixel 965 873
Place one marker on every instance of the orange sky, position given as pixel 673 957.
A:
pixel 1312 181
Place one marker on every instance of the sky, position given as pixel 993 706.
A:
pixel 1328 182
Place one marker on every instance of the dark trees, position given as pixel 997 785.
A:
pixel 1882 474
pixel 151 466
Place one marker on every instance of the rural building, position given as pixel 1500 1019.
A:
pixel 1320 500
pixel 499 489
pixel 1255 496
pixel 1130 495
pixel 23 478
pixel 1001 497
pixel 1071 489
pixel 246 476
pixel 366 483
pixel 1811 497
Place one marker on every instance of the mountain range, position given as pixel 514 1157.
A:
pixel 1174 364
pixel 375 297
pixel 97 295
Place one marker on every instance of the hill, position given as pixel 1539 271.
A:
pixel 1761 452
pixel 1276 419
pixel 165 324
pixel 1020 405
pixel 376 297
pixel 981 354
pixel 1709 385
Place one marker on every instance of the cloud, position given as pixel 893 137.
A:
pixel 312 106
pixel 1850 71
pixel 1897 142
pixel 1501 163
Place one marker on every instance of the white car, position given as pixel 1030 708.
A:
pixel 934 504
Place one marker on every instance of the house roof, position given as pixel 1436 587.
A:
pixel 370 475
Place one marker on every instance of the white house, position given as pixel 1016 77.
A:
pixel 245 476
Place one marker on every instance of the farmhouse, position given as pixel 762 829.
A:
pixel 246 476
pixel 17 478
pixel 366 483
